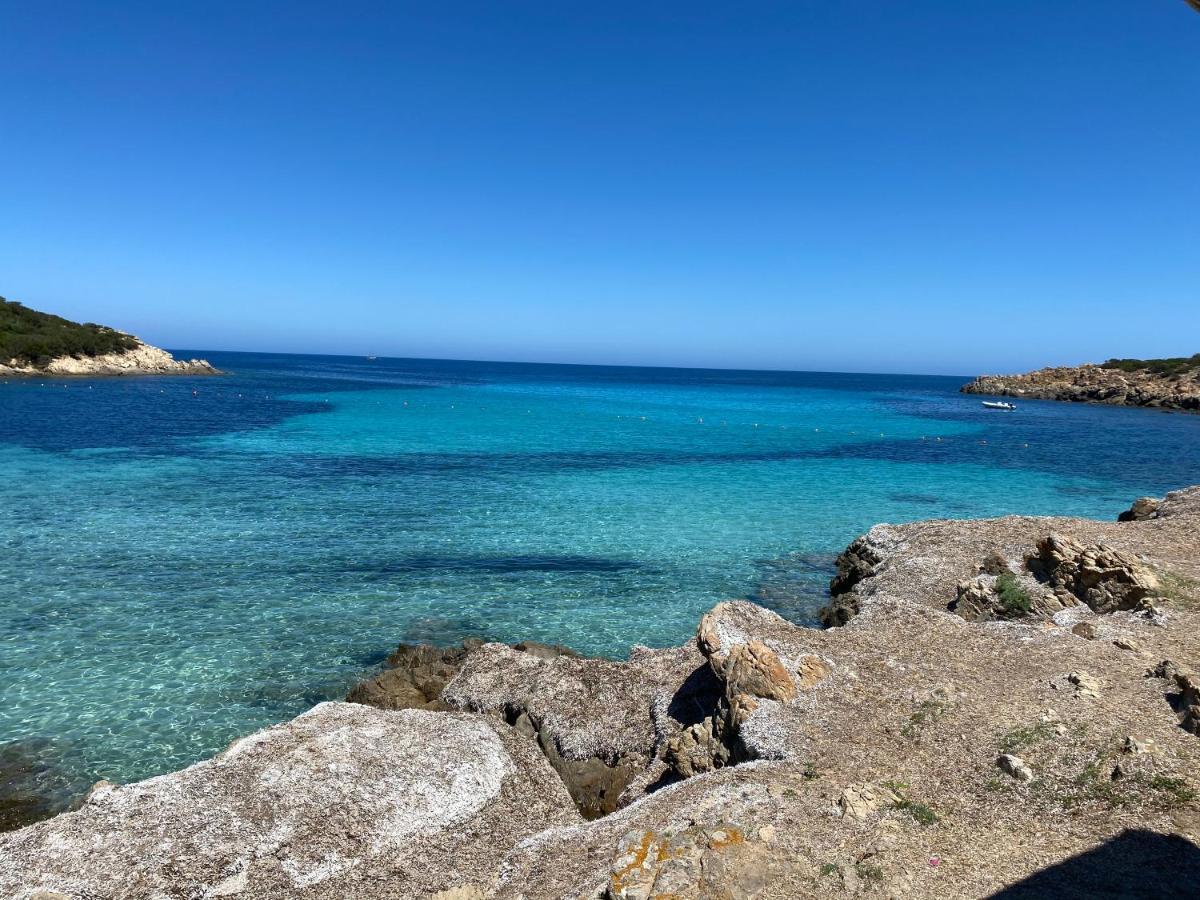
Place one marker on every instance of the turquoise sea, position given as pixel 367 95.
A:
pixel 185 560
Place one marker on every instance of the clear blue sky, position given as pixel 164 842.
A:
pixel 872 186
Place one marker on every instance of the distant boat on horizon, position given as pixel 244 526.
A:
pixel 998 404
pixel 372 358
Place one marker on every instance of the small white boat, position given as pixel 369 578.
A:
pixel 998 404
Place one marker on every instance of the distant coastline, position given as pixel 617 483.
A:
pixel 34 343
pixel 1155 383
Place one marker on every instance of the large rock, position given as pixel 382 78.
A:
pixel 857 565
pixel 415 677
pixel 343 801
pixel 753 678
pixel 416 674
pixel 754 669
pixel 979 599
pixel 1105 579
pixel 1143 508
pixel 601 723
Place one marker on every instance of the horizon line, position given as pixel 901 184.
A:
pixel 581 365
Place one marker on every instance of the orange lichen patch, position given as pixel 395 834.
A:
pixel 636 864
pixel 664 853
pixel 731 837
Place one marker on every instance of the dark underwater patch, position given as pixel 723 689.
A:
pixel 504 564
pixel 926 499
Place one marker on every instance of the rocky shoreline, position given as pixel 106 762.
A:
pixel 1004 708
pixel 143 359
pixel 1096 384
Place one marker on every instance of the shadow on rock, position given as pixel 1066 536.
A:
pixel 697 698
pixel 1134 864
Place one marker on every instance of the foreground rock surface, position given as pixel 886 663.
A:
pixel 142 360
pixel 908 753
pixel 344 801
pixel 1096 384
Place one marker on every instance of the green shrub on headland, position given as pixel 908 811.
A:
pixel 1014 599
pixel 1175 365
pixel 29 336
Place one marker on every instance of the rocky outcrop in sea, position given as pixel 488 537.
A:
pixel 1035 733
pixel 143 359
pixel 1096 384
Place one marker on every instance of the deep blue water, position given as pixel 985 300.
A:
pixel 183 560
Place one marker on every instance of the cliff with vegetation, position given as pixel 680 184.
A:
pixel 1167 383
pixel 38 343
pixel 1002 708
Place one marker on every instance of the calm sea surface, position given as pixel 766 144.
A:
pixel 180 568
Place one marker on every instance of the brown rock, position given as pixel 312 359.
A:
pixel 709 641
pixel 698 748
pixel 1143 508
pixel 974 601
pixel 1189 699
pixel 755 669
pixel 418 673
pixel 416 676
pixel 994 564
pixel 812 670
pixel 1103 578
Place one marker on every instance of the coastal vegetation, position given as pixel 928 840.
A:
pixel 33 337
pixel 1014 599
pixel 1174 365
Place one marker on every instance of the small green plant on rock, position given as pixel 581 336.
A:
pixel 1178 590
pixel 1095 784
pixel 869 873
pixel 1014 599
pixel 926 713
pixel 1175 790
pixel 1025 736
pixel 919 811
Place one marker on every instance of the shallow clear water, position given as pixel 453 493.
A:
pixel 177 569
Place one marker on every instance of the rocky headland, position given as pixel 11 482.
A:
pixel 1118 382
pixel 1001 708
pixel 142 359
pixel 34 343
